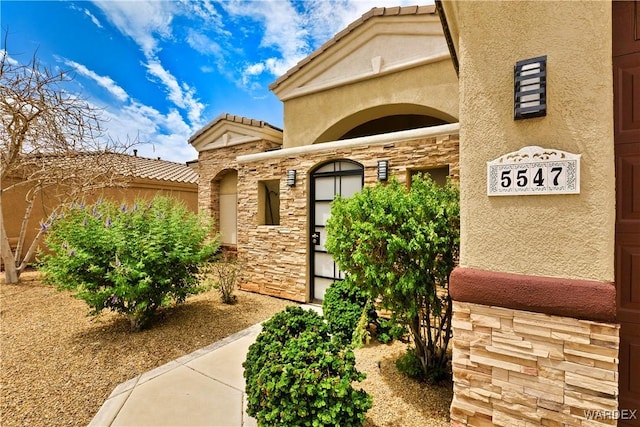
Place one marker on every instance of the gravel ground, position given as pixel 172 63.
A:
pixel 399 401
pixel 57 366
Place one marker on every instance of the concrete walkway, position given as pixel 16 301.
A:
pixel 204 388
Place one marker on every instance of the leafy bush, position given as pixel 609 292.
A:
pixel 410 365
pixel 297 376
pixel 226 270
pixel 401 245
pixel 342 307
pixel 128 259
pixel 388 330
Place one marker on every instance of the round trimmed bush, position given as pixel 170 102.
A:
pixel 297 376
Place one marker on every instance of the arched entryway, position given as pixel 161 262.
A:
pixel 340 177
pixel 385 119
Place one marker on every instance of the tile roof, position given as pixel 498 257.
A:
pixel 122 164
pixel 375 12
pixel 235 119
pixel 162 170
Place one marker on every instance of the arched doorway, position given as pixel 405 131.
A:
pixel 343 178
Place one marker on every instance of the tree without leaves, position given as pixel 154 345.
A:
pixel 52 147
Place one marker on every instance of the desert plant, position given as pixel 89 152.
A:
pixel 361 335
pixel 401 244
pixel 342 307
pixel 297 376
pixel 226 270
pixel 128 259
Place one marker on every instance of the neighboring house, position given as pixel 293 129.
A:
pixel 138 177
pixel 546 315
pixel 381 92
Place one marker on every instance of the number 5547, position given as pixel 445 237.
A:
pixel 530 177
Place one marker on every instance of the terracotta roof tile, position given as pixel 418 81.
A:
pixel 235 119
pixel 122 164
pixel 375 12
pixel 162 170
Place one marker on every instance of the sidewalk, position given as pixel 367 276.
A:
pixel 204 388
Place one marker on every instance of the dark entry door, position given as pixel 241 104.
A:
pixel 626 74
pixel 344 178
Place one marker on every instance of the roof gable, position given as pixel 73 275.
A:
pixel 227 130
pixel 382 41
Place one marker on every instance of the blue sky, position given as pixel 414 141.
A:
pixel 162 69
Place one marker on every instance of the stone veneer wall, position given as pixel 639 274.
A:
pixel 276 256
pixel 211 166
pixel 519 368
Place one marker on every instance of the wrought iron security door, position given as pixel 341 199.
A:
pixel 344 178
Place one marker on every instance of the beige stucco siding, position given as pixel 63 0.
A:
pixel 309 117
pixel 568 236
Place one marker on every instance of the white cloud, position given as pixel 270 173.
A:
pixel 93 18
pixel 161 135
pixel 4 56
pixel 144 21
pixel 180 94
pixel 104 81
pixel 205 10
pixel 148 22
pixel 202 43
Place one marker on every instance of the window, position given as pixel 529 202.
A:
pixel 438 174
pixel 269 202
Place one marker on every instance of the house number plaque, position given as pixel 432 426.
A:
pixel 534 170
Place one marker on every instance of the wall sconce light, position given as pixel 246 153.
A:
pixel 291 177
pixel 530 88
pixel 383 170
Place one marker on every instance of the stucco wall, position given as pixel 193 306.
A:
pixel 306 118
pixel 567 236
pixel 14 205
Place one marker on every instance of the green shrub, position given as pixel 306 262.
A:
pixel 128 259
pixel 410 365
pixel 388 330
pixel 342 307
pixel 297 376
pixel 400 244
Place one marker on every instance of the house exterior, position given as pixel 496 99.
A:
pixel 381 92
pixel 546 316
pixel 139 177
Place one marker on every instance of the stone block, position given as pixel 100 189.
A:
pixel 589 383
pixel 484 320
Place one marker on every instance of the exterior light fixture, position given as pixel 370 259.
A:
pixel 530 88
pixel 383 170
pixel 291 177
